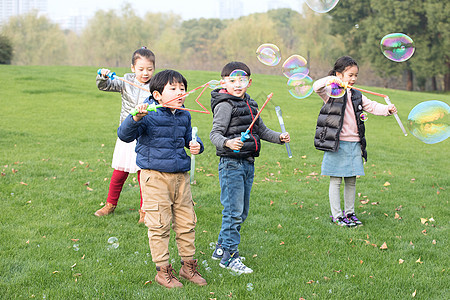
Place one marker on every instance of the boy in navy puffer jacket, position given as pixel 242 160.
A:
pixel 161 138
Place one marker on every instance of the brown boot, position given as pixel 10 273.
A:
pixel 189 271
pixel 141 216
pixel 166 278
pixel 105 210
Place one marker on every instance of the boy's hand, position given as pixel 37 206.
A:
pixel 194 147
pixel 234 144
pixel 285 137
pixel 142 111
pixel 392 109
pixel 104 73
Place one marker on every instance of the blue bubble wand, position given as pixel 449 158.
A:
pixel 194 139
pixel 283 129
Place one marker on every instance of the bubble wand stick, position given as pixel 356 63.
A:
pixel 245 135
pixel 386 99
pixel 283 130
pixel 194 139
pixel 112 76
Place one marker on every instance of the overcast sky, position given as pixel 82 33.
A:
pixel 187 9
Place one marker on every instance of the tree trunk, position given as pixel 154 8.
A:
pixel 409 80
pixel 447 78
pixel 433 83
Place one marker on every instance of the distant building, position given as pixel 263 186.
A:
pixel 231 9
pixel 9 8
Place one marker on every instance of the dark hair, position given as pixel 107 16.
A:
pixel 161 79
pixel 341 64
pixel 143 52
pixel 234 65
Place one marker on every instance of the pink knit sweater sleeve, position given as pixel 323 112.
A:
pixel 374 107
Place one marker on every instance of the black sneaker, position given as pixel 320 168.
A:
pixel 218 252
pixel 352 217
pixel 343 221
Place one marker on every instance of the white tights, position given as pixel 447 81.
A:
pixel 349 195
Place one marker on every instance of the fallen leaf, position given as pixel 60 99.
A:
pixel 282 243
pixel 77 275
pixel 75 240
pixel 414 294
pixel 147 282
pixel 87 183
pixel 255 255
pixel 202 252
pixel 400 261
pixel 431 219
pixel 303 156
pixel 81 163
pixel 424 232
pixel 386 184
pixel 23 183
pixel 73 169
pixel 375 203
pixel 271 202
pixel 89 189
pixel 419 261
pixel 397 216
pixel 423 220
pixel 311 281
pixel 72 266
pixel 361 262
pixel 209 175
pixel 54 272
pixel 434 242
pixel 279 226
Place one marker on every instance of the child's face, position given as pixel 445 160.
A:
pixel 349 75
pixel 143 68
pixel 170 92
pixel 236 86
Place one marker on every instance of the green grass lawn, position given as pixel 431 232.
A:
pixel 57 135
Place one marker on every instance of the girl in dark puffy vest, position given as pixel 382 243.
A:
pixel 340 132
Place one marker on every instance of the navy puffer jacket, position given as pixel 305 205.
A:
pixel 161 139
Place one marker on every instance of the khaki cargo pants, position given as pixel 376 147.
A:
pixel 167 199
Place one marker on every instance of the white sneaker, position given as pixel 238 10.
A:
pixel 234 263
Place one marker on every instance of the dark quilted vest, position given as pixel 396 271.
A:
pixel 243 112
pixel 330 120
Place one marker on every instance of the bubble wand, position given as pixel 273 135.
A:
pixel 153 107
pixel 245 135
pixel 344 86
pixel 283 130
pixel 194 139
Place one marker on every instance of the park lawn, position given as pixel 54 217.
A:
pixel 57 135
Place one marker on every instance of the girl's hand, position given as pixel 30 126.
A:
pixel 142 111
pixel 194 147
pixel 234 144
pixel 104 72
pixel 392 109
pixel 285 137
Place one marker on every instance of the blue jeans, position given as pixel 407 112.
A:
pixel 236 179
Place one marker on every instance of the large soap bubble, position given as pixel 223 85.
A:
pixel 397 47
pixel 268 54
pixel 322 6
pixel 429 121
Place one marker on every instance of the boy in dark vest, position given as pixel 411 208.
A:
pixel 233 112
pixel 161 137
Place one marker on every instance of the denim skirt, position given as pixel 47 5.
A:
pixel 346 162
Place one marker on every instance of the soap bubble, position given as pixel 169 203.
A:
pixel 334 87
pixel 363 117
pixel 295 64
pixel 212 245
pixel 397 47
pixel 249 287
pixel 238 78
pixel 300 86
pixel 322 6
pixel 429 121
pixel 76 247
pixel 113 243
pixel 214 84
pixel 268 54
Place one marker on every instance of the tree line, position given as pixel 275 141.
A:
pixel 354 27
